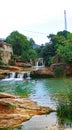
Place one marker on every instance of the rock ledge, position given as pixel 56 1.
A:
pixel 15 110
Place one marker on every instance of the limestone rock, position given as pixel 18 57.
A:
pixel 12 120
pixel 43 72
pixel 6 95
pixel 15 110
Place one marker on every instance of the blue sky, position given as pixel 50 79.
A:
pixel 34 18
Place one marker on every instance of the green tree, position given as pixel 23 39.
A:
pixel 21 45
pixel 32 42
pixel 61 42
pixel 65 52
pixel 18 41
pixel 48 51
pixel 39 51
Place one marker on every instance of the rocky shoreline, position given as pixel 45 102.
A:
pixel 15 110
pixel 55 70
pixel 43 73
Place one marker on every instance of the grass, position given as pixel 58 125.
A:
pixel 64 107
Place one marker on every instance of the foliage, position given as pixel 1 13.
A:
pixel 64 108
pixel 32 42
pixel 39 51
pixel 65 52
pixel 59 49
pixel 18 41
pixel 32 54
pixel 47 52
pixel 1 63
pixel 21 45
pixel 59 71
pixel 0 56
pixel 59 46
pixel 61 37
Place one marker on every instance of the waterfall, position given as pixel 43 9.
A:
pixel 17 76
pixel 36 64
pixel 28 75
pixel 20 75
pixel 12 75
pixel 9 76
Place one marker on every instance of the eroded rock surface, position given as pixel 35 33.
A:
pixel 15 110
pixel 43 72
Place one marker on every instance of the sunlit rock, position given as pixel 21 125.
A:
pixel 15 110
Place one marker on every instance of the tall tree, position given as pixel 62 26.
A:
pixel 65 52
pixel 21 45
pixel 18 41
pixel 60 44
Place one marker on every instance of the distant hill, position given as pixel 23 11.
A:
pixel 2 39
pixel 36 46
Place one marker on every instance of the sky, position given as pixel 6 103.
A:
pixel 34 18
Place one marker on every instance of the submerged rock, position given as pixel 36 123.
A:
pixel 15 110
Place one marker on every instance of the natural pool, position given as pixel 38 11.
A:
pixel 45 92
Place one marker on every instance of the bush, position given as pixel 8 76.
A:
pixel 2 63
pixel 64 107
pixel 59 71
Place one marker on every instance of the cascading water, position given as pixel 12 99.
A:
pixel 12 75
pixel 17 76
pixel 20 75
pixel 28 75
pixel 9 76
pixel 39 63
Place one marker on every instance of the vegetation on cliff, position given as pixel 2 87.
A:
pixel 57 50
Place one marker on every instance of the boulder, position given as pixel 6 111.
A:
pixel 43 72
pixel 6 95
pixel 15 110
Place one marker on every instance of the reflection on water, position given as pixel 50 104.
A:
pixel 40 122
pixel 45 92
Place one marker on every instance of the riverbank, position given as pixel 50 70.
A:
pixel 8 69
pixel 15 110
pixel 42 91
pixel 55 70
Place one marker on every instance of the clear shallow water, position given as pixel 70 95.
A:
pixel 44 91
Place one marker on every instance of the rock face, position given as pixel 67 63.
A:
pixel 43 73
pixel 6 51
pixel 15 110
pixel 6 69
pixel 55 70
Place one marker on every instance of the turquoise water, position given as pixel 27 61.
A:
pixel 45 91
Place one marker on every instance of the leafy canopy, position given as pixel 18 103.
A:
pixel 65 52
pixel 59 47
pixel 22 47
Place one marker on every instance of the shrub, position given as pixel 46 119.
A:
pixel 64 107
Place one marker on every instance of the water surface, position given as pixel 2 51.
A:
pixel 45 91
